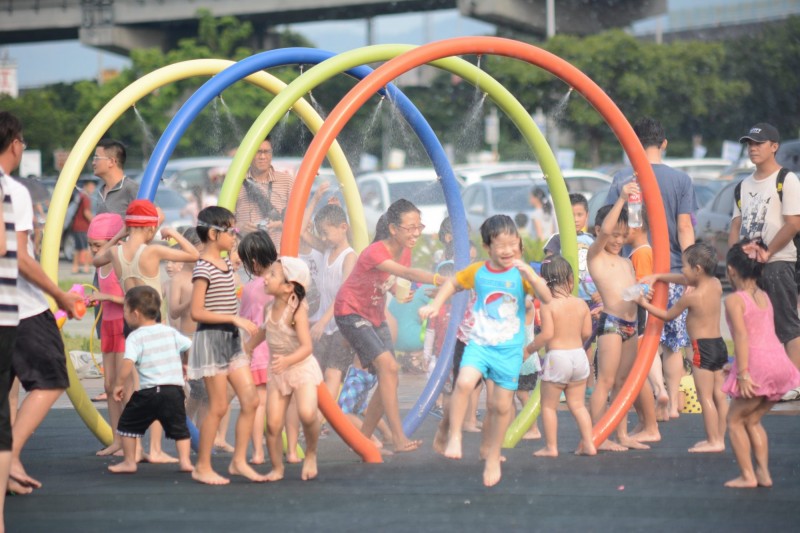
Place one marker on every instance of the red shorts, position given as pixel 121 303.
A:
pixel 112 339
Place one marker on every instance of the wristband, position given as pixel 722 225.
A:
pixel 437 280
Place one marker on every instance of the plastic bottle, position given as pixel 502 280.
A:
pixel 634 210
pixel 633 292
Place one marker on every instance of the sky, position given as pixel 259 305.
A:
pixel 67 61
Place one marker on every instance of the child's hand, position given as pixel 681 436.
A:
pixel 631 188
pixel 427 311
pixel 524 267
pixel 322 189
pixel 167 233
pixel 118 393
pixel 97 297
pixel 246 325
pixel 317 330
pixel 747 387
pixel 595 312
pixel 596 298
pixel 278 364
pixel 650 280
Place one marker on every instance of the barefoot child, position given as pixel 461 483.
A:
pixel 217 355
pixel 616 334
pixel 702 321
pixel 359 310
pixel 566 324
pixel 497 337
pixel 761 372
pixel 155 350
pixel 257 253
pixel 294 372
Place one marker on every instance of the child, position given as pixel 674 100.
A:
pixel 293 371
pixel 155 351
pixel 566 324
pixel 702 322
pixel 496 340
pixel 359 310
pixel 257 253
pixel 112 341
pixel 217 355
pixel 616 335
pixel 761 372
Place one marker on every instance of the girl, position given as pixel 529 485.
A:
pixel 293 371
pixel 257 253
pixel 761 372
pixel 566 324
pixel 216 354
pixel 359 310
pixel 102 229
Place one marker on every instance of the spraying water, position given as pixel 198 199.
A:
pixel 147 135
pixel 317 107
pixel 278 133
pixel 216 126
pixel 561 107
pixel 230 119
pixel 371 124
pixel 470 135
pixel 408 140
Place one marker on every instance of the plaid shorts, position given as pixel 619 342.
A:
pixel 355 390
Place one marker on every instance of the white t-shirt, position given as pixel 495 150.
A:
pixel 31 299
pixel 762 211
pixel 9 302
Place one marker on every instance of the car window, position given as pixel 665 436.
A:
pixel 169 199
pixel 417 192
pixel 511 198
pixel 193 177
pixel 723 204
pixel 371 194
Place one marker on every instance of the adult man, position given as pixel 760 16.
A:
pixel 117 190
pixel 37 358
pixel 677 194
pixel 264 195
pixel 764 215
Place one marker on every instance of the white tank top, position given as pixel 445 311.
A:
pixel 330 280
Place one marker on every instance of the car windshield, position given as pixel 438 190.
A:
pixel 421 192
pixel 512 198
pixel 169 199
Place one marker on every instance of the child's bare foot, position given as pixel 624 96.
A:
pixel 742 483
pixel 532 434
pixel 674 414
pixel 407 446
pixel 611 446
pixel 763 478
pixel 276 474
pixel 646 436
pixel 17 488
pixel 292 458
pixel 245 470
pixel 482 453
pixel 586 448
pixel 186 467
pixel 257 460
pixel 491 473
pixel 18 474
pixel 546 452
pixel 223 446
pixel 453 450
pixel 309 467
pixel 111 449
pixel 161 458
pixel 440 441
pixel 123 468
pixel 662 406
pixel 376 441
pixel 472 428
pixel 632 443
pixel 209 477
pixel 706 447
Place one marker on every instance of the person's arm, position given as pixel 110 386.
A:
pixel 281 363
pixel 87 206
pixel 734 312
pixel 733 233
pixel 176 306
pixel 448 289
pixel 32 271
pixel 685 231
pixel 122 377
pixel 611 220
pixel 307 235
pixel 413 274
pixel 666 277
pixel 187 254
pixel 536 282
pixel 546 333
pixel 586 329
pixel 201 314
pixel 104 254
pixel 791 226
pixel 98 297
pixel 668 314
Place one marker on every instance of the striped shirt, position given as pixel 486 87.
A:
pixel 221 291
pixel 156 352
pixel 248 210
pixel 9 310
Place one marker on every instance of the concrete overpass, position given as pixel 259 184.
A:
pixel 123 25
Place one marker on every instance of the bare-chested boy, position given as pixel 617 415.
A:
pixel 702 323
pixel 616 334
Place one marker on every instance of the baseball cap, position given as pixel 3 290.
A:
pixel 296 270
pixel 762 132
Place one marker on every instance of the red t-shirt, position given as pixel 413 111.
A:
pixel 364 292
pixel 80 224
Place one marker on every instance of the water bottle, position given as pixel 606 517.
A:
pixel 633 292
pixel 634 210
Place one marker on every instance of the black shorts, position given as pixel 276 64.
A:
pixel 709 354
pixel 777 280
pixel 528 381
pixel 164 403
pixel 81 241
pixel 7 335
pixel 458 354
pixel 641 319
pixel 333 351
pixel 367 340
pixel 39 359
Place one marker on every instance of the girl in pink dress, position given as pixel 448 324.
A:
pixel 761 373
pixel 257 253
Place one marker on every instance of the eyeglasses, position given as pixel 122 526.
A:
pixel 413 229
pixel 264 152
pixel 232 231
pixel 99 157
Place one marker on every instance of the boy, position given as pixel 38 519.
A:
pixel 496 340
pixel 617 329
pixel 702 322
pixel 155 350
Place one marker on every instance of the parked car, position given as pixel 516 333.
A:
pixel 419 185
pixel 469 174
pixel 789 155
pixel 499 197
pixel 706 167
pixel 714 223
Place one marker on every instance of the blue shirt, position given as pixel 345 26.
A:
pixel 156 352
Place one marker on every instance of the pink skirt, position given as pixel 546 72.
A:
pixel 305 372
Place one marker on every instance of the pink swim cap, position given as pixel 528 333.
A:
pixel 104 226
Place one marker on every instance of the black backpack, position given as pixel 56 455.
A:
pixel 737 194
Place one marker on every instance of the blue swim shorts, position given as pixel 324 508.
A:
pixel 500 364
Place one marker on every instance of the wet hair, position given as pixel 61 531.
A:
pixel 543 197
pixel 10 129
pixel 115 150
pixel 521 220
pixel 257 248
pixel 579 199
pixel 446 228
pixel 702 255
pixel 144 299
pixel 330 214
pixel 605 210
pixel 743 265
pixel 299 291
pixel 382 229
pixel 190 234
pixel 557 273
pixel 497 225
pixel 213 216
pixel 393 215
pixel 650 132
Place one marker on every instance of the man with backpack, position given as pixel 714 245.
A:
pixel 767 208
